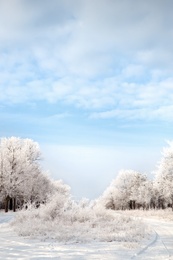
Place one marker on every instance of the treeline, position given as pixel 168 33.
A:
pixel 133 190
pixel 22 179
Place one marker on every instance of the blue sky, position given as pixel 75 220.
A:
pixel 91 81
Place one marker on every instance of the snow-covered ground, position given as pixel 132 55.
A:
pixel 161 247
pixel 12 246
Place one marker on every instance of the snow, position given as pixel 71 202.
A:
pixel 12 246
pixel 162 245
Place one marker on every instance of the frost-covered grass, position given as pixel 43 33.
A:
pixel 163 214
pixel 78 223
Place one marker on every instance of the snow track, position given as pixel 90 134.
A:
pixel 142 251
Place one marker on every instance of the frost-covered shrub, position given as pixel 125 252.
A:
pixel 67 221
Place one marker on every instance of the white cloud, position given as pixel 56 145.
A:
pixel 162 113
pixel 57 117
pixel 97 55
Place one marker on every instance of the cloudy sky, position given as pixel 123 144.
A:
pixel 91 81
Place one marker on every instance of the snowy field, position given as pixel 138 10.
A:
pixel 159 246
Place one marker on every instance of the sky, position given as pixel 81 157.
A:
pixel 91 82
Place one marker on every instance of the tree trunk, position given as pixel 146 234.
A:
pixel 11 204
pixel 134 204
pixel 14 204
pixel 6 203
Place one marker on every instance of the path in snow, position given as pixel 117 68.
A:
pixel 15 247
pixel 161 247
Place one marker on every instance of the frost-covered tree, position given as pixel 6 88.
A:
pixel 164 178
pixel 36 187
pixel 20 172
pixel 145 195
pixel 61 188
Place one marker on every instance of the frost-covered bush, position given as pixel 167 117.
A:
pixel 65 220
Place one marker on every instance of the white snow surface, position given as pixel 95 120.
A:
pixel 161 247
pixel 12 246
